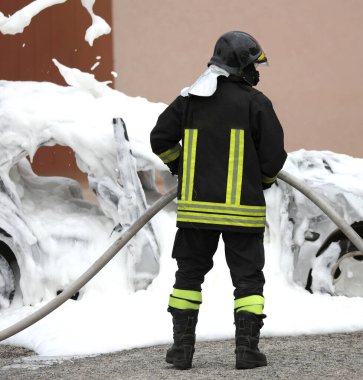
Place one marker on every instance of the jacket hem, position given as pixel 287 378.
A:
pixel 204 226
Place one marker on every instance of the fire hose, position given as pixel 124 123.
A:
pixel 73 288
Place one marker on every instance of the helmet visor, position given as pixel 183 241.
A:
pixel 262 58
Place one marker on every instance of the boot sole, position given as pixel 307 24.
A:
pixel 182 366
pixel 250 365
pixel 169 360
pixel 178 365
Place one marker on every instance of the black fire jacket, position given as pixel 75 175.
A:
pixel 232 148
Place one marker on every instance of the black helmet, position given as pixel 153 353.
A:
pixel 236 50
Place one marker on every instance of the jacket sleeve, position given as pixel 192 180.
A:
pixel 269 139
pixel 166 135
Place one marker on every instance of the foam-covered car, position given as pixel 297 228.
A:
pixel 50 234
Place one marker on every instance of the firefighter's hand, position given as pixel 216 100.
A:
pixel 174 166
pixel 266 186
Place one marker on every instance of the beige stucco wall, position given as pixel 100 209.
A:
pixel 314 46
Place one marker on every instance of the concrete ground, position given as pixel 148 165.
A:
pixel 335 356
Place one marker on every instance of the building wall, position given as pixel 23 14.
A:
pixel 314 48
pixel 57 32
pixel 161 46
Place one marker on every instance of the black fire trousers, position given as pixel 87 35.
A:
pixel 194 249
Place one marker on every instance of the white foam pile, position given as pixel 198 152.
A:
pixel 22 18
pixel 109 316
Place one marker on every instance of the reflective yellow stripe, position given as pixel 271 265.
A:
pixel 253 304
pixel 222 209
pixel 192 165
pixel 249 300
pixel 221 223
pixel 255 309
pixel 185 162
pixel 182 304
pixel 170 154
pixel 189 154
pixel 231 220
pixel 219 216
pixel 191 295
pixel 235 167
pixel 222 205
pixel 230 166
pixel 241 152
pixel 268 180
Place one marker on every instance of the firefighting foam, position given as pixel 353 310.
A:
pixel 109 312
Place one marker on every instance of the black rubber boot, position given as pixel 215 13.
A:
pixel 248 326
pixel 184 323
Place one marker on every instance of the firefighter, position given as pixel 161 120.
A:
pixel 232 149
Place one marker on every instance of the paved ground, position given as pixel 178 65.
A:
pixel 336 356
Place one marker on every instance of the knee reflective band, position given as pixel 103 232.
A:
pixel 185 299
pixel 252 304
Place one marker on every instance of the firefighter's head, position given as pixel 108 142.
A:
pixel 238 53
